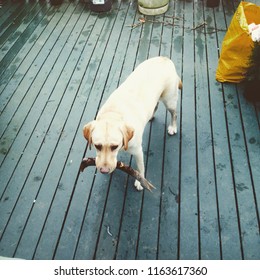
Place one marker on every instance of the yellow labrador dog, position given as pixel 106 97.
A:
pixel 121 120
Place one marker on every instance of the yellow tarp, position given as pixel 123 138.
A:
pixel 237 44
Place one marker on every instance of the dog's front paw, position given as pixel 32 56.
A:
pixel 172 130
pixel 138 185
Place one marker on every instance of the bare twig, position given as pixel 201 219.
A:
pixel 199 25
pixel 120 165
pixel 144 20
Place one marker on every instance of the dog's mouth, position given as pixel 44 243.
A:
pixel 105 170
pixel 120 165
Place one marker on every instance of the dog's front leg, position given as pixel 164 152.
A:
pixel 139 158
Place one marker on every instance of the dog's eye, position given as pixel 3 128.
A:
pixel 98 147
pixel 114 147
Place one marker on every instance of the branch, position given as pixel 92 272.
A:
pixel 120 165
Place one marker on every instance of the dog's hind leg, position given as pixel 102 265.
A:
pixel 172 128
pixel 170 99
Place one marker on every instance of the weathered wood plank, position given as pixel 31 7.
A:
pixel 189 210
pixel 171 46
pixel 208 208
pixel 228 219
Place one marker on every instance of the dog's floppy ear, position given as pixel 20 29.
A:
pixel 128 133
pixel 87 132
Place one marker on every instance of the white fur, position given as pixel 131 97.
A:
pixel 122 119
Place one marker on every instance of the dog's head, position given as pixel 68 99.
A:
pixel 107 138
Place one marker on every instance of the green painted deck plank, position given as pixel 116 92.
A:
pixel 189 227
pixel 208 215
pixel 169 216
pixel 228 219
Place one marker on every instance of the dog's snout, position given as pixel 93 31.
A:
pixel 104 166
pixel 104 170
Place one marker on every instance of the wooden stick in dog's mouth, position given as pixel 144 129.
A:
pixel 125 168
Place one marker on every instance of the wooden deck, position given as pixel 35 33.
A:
pixel 58 64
